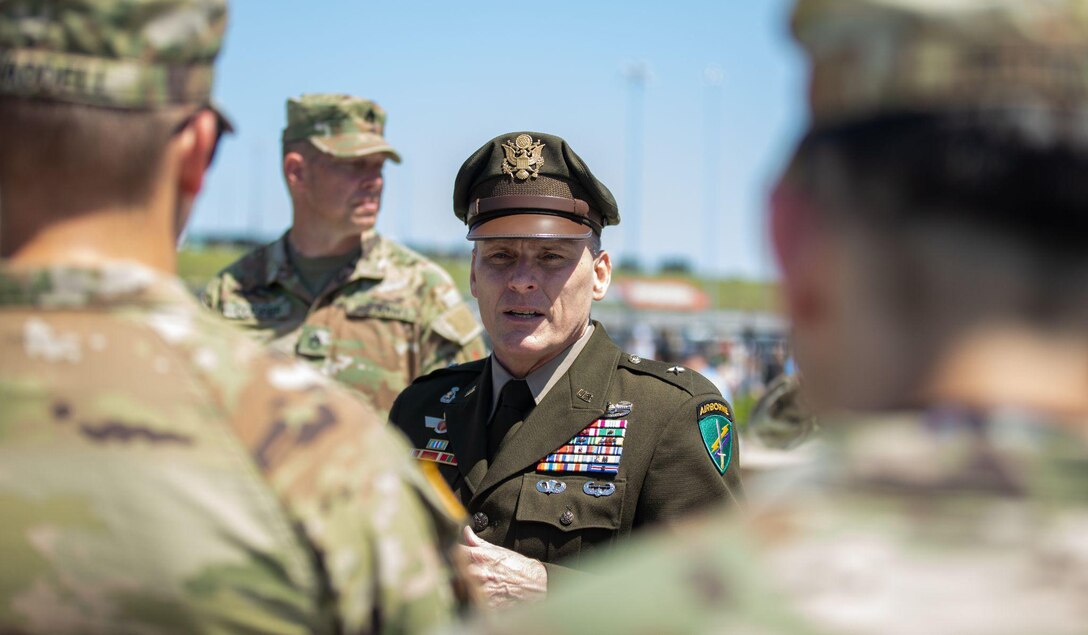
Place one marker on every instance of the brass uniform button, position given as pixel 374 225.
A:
pixel 479 522
pixel 567 518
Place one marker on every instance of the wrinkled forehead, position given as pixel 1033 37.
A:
pixel 533 245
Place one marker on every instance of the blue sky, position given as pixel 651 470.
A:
pixel 454 74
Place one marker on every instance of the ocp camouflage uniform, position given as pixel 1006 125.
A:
pixel 945 522
pixel 383 321
pixel 159 473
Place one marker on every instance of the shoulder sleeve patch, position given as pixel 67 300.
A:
pixel 457 325
pixel 716 428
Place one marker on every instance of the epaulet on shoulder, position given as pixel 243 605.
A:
pixel 680 376
pixel 474 367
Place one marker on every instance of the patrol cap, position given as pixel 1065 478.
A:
pixel 343 126
pixel 530 185
pixel 131 54
pixel 876 57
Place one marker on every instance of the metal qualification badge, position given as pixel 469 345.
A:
pixel 717 431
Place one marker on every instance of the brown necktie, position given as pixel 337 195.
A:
pixel 515 401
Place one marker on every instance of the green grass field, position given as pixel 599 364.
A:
pixel 197 266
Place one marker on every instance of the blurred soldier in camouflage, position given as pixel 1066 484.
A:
pixel 363 309
pixel 932 230
pixel 160 473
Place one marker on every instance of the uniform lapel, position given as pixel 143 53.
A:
pixel 466 424
pixel 562 413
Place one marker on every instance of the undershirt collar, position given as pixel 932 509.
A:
pixel 542 379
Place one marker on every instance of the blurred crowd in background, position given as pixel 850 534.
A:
pixel 742 366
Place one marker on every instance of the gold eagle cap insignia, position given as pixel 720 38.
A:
pixel 524 157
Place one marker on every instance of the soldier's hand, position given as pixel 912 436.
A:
pixel 504 576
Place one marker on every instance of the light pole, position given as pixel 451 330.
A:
pixel 636 75
pixel 256 194
pixel 713 77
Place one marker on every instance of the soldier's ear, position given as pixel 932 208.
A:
pixel 194 145
pixel 602 275
pixel 797 235
pixel 294 169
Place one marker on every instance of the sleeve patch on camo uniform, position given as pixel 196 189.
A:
pixel 717 432
pixel 457 325
pixel 597 448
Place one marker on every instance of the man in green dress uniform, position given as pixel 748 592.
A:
pixel 559 442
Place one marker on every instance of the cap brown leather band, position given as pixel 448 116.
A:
pixel 575 206
pixel 517 225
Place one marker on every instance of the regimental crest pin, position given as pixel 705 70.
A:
pixel 524 157
pixel 717 432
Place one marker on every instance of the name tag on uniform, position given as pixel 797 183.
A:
pixel 277 309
